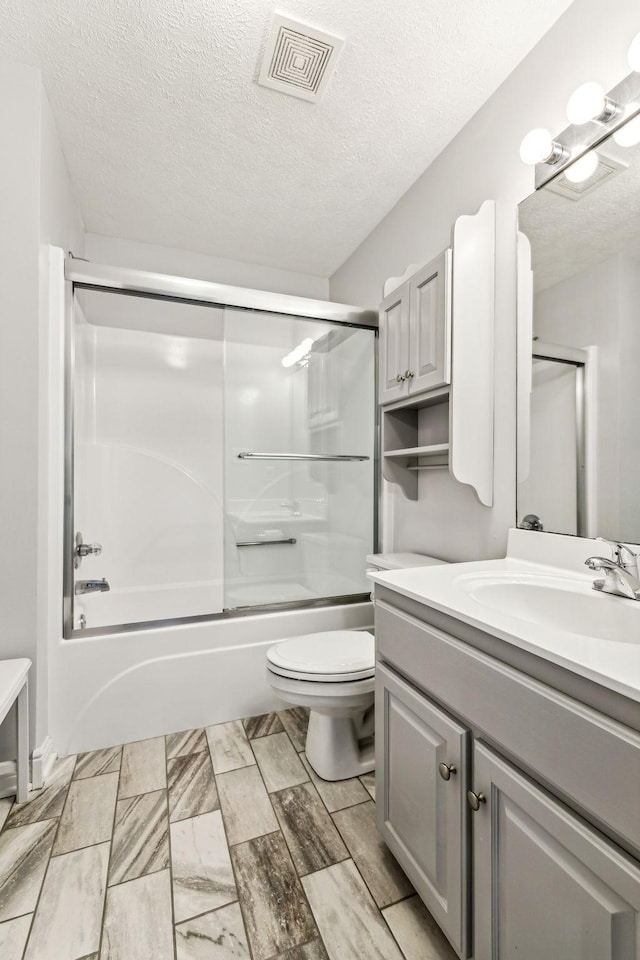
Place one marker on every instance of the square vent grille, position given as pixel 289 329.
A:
pixel 607 168
pixel 299 59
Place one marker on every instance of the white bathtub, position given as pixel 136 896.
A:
pixel 119 687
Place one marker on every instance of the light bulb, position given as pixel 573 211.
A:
pixel 629 134
pixel 633 57
pixel 583 168
pixel 536 147
pixel 586 103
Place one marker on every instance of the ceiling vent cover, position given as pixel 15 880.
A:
pixel 608 167
pixel 299 59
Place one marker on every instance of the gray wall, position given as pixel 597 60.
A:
pixel 37 207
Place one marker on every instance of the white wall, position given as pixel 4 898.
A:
pixel 19 243
pixel 483 162
pixel 37 207
pixel 184 263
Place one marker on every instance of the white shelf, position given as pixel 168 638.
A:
pixel 431 450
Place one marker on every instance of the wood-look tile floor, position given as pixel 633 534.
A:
pixel 215 844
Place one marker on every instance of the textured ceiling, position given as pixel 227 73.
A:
pixel 169 139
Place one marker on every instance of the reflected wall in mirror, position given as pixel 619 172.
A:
pixel 579 351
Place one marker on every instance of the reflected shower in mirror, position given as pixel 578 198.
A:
pixel 579 350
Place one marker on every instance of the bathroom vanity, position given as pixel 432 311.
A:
pixel 508 752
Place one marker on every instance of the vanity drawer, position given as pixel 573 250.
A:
pixel 587 758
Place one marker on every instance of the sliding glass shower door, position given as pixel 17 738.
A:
pixel 148 477
pixel 223 459
pixel 299 451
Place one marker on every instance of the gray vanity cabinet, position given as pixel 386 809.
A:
pixel 423 761
pixel 545 883
pixel 555 781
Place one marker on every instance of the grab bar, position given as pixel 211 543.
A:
pixel 264 543
pixel 299 456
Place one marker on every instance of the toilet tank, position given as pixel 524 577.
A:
pixel 399 561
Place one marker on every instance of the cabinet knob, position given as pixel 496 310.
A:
pixel 400 378
pixel 475 799
pixel 446 770
pixel 409 374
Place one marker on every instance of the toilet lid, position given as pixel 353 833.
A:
pixel 339 654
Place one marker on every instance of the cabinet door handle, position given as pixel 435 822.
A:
pixel 475 799
pixel 446 770
pixel 400 378
pixel 409 374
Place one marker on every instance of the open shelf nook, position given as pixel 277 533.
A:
pixel 415 436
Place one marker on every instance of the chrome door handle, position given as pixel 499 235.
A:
pixel 475 799
pixel 400 378
pixel 409 374
pixel 446 770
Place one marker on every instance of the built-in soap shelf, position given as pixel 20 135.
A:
pixel 415 437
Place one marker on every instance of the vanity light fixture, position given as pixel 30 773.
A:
pixel 594 115
pixel 589 102
pixel 629 134
pixel 539 147
pixel 583 168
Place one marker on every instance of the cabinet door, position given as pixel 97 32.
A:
pixel 394 344
pixel 430 325
pixel 423 817
pixel 545 883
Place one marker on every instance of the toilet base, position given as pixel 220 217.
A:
pixel 339 748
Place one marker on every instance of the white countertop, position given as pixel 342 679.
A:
pixel 613 662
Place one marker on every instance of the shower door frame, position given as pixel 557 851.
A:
pixel 83 275
pixel 582 361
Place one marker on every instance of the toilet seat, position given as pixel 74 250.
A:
pixel 332 656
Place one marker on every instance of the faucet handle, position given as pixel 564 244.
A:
pixel 619 550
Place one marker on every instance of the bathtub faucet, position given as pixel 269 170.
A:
pixel 92 586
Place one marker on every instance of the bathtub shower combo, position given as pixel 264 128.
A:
pixel 220 489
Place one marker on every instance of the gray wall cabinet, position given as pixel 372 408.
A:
pixel 415 332
pixel 544 799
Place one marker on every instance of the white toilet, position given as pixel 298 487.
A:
pixel 333 674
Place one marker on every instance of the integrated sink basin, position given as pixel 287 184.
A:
pixel 561 603
pixel 540 599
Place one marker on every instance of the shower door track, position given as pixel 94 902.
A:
pixel 96 275
pixel 83 274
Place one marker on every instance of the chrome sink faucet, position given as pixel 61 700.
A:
pixel 620 572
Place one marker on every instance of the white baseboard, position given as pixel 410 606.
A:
pixel 8 778
pixel 42 761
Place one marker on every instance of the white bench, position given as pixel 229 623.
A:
pixel 14 685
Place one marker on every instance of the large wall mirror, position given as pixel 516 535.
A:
pixel 579 349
